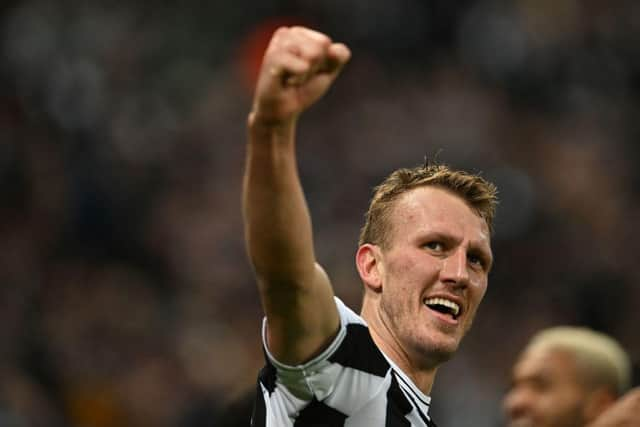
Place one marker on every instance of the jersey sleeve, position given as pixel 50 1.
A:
pixel 317 377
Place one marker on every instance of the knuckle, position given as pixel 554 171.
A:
pixel 316 36
pixel 280 34
pixel 324 40
pixel 315 52
pixel 281 31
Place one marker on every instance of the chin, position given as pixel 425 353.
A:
pixel 438 352
pixel 445 353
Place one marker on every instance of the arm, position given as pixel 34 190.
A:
pixel 298 67
pixel 623 413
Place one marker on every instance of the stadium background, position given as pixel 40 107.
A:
pixel 125 295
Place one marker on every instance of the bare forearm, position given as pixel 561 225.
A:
pixel 277 221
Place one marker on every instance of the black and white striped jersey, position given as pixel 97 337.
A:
pixel 352 384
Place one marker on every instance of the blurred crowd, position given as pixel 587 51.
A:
pixel 126 298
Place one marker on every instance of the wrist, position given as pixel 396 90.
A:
pixel 260 121
pixel 268 130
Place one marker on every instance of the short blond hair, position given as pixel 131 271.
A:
pixel 477 192
pixel 600 359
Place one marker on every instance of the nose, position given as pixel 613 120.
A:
pixel 455 269
pixel 516 403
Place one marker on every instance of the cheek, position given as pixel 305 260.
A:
pixel 409 268
pixel 478 288
pixel 477 292
pixel 565 401
pixel 556 404
pixel 410 272
pixel 551 408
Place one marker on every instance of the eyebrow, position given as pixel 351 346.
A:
pixel 475 248
pixel 439 235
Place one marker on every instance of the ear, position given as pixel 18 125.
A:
pixel 597 402
pixel 369 266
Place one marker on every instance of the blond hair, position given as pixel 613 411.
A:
pixel 477 192
pixel 600 359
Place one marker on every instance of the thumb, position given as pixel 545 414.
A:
pixel 338 54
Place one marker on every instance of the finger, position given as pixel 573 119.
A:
pixel 289 65
pixel 337 56
pixel 339 52
pixel 314 35
pixel 297 54
pixel 306 46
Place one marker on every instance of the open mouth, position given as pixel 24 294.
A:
pixel 443 306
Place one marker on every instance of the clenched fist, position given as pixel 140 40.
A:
pixel 298 67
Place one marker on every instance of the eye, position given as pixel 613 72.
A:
pixel 434 246
pixel 476 260
pixel 540 383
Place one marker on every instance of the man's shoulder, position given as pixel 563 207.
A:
pixel 347 315
pixel 358 350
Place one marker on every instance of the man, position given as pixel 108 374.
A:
pixel 424 257
pixel 572 377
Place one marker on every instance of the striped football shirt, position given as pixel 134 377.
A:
pixel 351 383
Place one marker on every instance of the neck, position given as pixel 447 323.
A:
pixel 422 373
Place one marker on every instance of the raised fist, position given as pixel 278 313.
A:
pixel 298 67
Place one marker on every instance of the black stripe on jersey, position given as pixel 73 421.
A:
pixel 317 414
pixel 358 351
pixel 267 377
pixel 409 387
pixel 259 415
pixel 423 416
pixel 397 406
pixel 429 422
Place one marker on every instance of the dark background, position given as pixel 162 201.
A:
pixel 125 295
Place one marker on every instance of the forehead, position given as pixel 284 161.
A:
pixel 546 362
pixel 434 209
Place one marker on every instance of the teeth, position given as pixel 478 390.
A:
pixel 455 308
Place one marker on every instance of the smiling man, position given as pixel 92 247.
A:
pixel 424 257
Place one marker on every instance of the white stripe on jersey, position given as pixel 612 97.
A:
pixel 352 383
